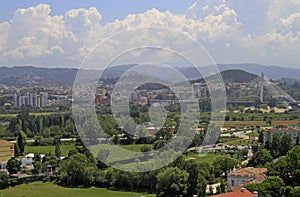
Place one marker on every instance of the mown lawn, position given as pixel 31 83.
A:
pixel 40 189
pixel 208 158
pixel 64 148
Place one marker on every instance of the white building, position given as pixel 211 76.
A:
pixel 293 132
pixel 31 99
pixel 243 176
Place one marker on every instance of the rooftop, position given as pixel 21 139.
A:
pixel 284 129
pixel 248 172
pixel 239 193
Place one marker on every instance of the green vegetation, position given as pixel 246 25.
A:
pixel 38 189
pixel 204 158
pixel 134 147
pixel 65 148
pixel 242 142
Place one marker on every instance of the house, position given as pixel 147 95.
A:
pixel 239 193
pixel 27 160
pixel 293 132
pixel 244 176
pixel 7 151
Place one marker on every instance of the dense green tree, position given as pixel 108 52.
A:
pixel 271 187
pixel 37 166
pixel 172 182
pixel 285 144
pixel 3 181
pixel 275 145
pixel 260 158
pixel 292 169
pixel 13 165
pixel 17 150
pixel 77 170
pixel 295 192
pixel 102 158
pixel 261 137
pixel 21 141
pixel 57 151
pixel 223 165
pixel 298 140
pixel 267 145
pixel 196 181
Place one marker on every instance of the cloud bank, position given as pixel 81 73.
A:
pixel 261 31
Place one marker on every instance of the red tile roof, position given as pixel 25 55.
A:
pixel 239 193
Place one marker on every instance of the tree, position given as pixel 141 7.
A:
pixel 298 140
pixel 261 137
pixel 271 186
pixel 3 181
pixel 196 181
pixel 292 168
pixel 77 170
pixel 272 102
pixel 17 150
pixel 264 106
pixel 223 165
pixel 260 158
pixel 21 141
pixel 285 144
pixel 295 192
pixel 57 151
pixel 13 165
pixel 275 145
pixel 172 182
pixel 37 166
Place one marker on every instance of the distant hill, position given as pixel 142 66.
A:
pixel 29 76
pixel 270 72
pixel 34 76
pixel 235 75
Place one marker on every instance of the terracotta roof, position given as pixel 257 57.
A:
pixel 239 193
pixel 2 141
pixel 284 129
pixel 249 172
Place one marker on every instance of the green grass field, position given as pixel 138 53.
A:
pixel 46 149
pixel 39 189
pixel 209 157
pixel 134 147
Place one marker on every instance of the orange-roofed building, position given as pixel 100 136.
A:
pixel 239 193
pixel 7 151
pixel 245 176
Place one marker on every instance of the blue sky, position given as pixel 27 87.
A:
pixel 110 9
pixel 62 33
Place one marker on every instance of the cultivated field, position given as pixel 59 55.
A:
pixel 39 189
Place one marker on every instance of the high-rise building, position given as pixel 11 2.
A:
pixel 262 87
pixel 31 99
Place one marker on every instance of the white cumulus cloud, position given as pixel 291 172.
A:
pixel 262 31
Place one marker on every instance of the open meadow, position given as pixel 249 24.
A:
pixel 39 189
